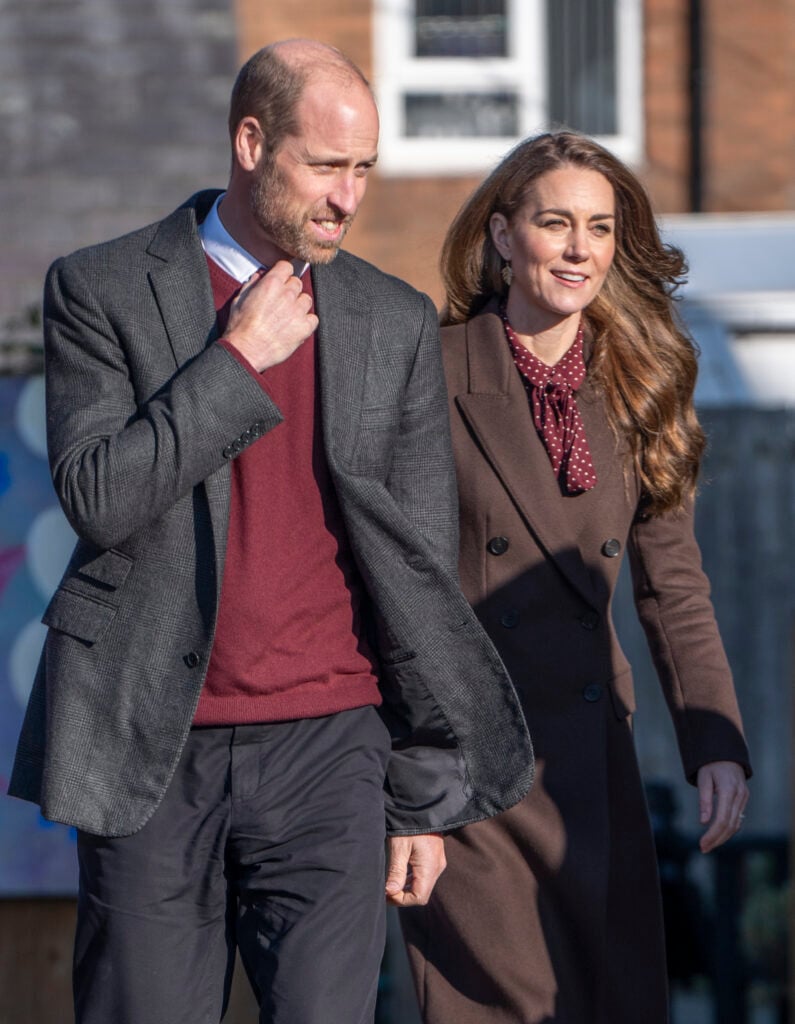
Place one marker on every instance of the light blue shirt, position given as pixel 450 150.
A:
pixel 225 251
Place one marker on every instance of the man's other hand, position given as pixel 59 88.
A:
pixel 414 864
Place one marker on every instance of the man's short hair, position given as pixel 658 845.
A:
pixel 269 88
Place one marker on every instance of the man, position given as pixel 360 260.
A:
pixel 255 458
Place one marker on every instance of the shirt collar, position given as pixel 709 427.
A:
pixel 219 245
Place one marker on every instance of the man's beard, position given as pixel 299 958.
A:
pixel 286 225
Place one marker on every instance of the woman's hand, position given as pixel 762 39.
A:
pixel 722 796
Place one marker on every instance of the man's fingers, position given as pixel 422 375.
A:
pixel 397 874
pixel 415 863
pixel 271 316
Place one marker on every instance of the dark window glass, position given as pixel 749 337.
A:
pixel 461 115
pixel 582 65
pixel 460 28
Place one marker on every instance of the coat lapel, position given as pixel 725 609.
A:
pixel 497 411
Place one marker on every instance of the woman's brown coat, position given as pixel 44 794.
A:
pixel 550 912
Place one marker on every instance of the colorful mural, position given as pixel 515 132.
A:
pixel 36 857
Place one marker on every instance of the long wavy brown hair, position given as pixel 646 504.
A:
pixel 642 360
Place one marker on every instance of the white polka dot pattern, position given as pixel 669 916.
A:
pixel 553 402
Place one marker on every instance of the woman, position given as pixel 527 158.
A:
pixel 571 403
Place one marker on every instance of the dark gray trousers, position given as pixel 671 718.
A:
pixel 270 839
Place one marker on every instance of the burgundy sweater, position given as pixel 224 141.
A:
pixel 289 641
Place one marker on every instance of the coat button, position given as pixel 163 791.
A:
pixel 510 618
pixel 228 452
pixel 590 620
pixel 192 659
pixel 498 545
pixel 592 693
pixel 611 548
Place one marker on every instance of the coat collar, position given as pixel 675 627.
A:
pixel 496 409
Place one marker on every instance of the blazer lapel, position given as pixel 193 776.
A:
pixel 181 285
pixel 497 411
pixel 342 340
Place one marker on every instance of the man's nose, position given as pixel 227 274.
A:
pixel 347 193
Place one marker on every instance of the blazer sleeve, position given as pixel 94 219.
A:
pixel 422 474
pixel 672 596
pixel 119 457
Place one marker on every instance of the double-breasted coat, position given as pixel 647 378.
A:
pixel 145 414
pixel 550 911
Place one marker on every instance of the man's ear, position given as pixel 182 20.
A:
pixel 249 143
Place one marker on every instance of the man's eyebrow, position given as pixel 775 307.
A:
pixel 339 161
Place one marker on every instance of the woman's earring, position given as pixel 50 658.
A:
pixel 507 274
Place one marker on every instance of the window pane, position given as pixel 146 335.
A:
pixel 582 65
pixel 460 28
pixel 461 115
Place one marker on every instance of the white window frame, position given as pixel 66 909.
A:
pixel 522 72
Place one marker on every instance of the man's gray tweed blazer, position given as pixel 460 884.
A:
pixel 144 414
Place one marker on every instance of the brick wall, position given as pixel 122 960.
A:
pixel 402 221
pixel 112 113
pixel 748 141
pixel 750 105
pixel 666 103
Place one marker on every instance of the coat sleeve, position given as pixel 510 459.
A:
pixel 119 457
pixel 672 596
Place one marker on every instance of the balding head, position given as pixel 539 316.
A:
pixel 271 82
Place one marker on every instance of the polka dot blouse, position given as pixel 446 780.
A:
pixel 553 402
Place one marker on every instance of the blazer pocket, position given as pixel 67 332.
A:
pixel 85 618
pixel 373 445
pixel 110 569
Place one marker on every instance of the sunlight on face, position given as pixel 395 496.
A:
pixel 306 196
pixel 560 245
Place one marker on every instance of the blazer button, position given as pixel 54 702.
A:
pixel 611 548
pixel 592 693
pixel 510 619
pixel 228 452
pixel 192 659
pixel 590 620
pixel 498 545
